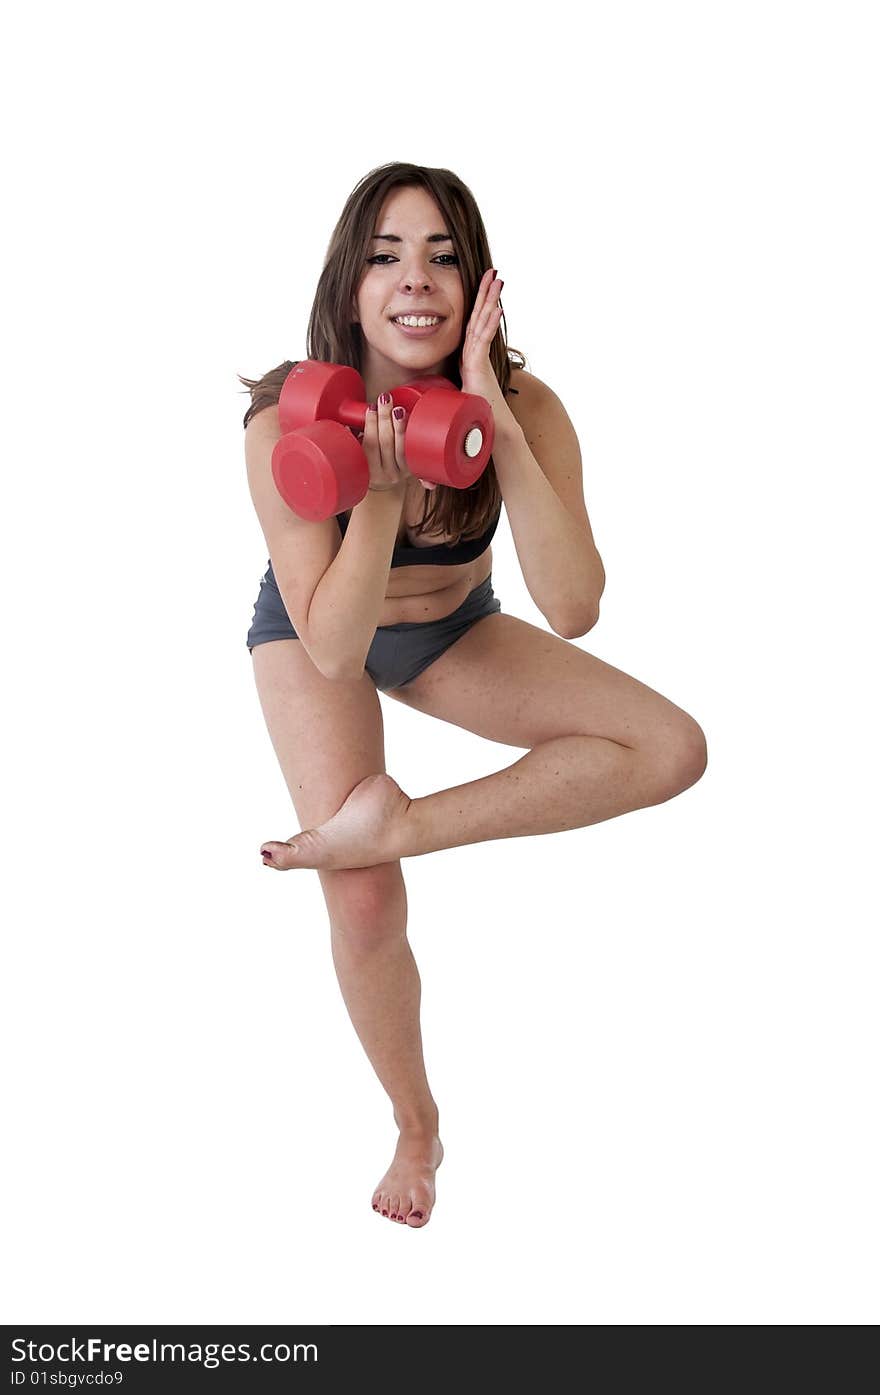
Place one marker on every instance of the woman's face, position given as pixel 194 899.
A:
pixel 405 274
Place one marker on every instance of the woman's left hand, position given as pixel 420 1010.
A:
pixel 477 373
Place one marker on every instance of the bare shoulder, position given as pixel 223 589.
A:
pixel 527 396
pixel 266 422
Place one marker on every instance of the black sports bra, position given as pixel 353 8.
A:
pixel 439 554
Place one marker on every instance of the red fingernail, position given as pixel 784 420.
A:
pixel 399 413
pixel 267 854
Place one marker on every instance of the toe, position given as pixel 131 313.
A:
pixel 304 849
pixel 278 855
pixel 404 1208
pixel 394 1208
pixel 422 1205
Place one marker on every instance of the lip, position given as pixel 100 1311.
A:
pixel 424 332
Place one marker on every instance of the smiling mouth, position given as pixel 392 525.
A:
pixel 420 330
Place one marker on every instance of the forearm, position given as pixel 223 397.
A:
pixel 347 603
pixel 561 567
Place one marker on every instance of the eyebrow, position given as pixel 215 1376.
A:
pixel 391 237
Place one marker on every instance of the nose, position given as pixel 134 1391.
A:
pixel 415 276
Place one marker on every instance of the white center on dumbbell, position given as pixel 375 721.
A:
pixel 473 442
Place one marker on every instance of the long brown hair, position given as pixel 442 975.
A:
pixel 333 338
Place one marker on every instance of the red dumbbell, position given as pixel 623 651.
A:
pixel 320 468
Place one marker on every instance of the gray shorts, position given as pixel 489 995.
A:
pixel 398 653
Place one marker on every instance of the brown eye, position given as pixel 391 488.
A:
pixel 452 259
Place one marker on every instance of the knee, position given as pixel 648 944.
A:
pixel 367 906
pixel 681 760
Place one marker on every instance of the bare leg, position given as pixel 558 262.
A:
pixel 568 782
pixel 382 990
pixel 366 907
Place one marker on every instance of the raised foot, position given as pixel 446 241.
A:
pixel 406 1192
pixel 365 830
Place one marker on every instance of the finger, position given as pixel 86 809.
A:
pixel 484 291
pixel 480 340
pixel 398 421
pixel 370 425
pixel 479 299
pixel 488 323
pixel 485 317
pixel 386 434
pixel 490 312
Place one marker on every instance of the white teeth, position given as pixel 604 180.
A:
pixel 417 322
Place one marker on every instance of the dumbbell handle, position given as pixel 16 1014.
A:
pixel 349 412
pixel 300 403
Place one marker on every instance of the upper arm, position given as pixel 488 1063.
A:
pixel 553 442
pixel 300 550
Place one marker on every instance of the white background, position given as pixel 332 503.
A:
pixel 653 1041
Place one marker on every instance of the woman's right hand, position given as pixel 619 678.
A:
pixel 382 440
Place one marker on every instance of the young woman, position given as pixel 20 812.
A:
pixel 397 596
